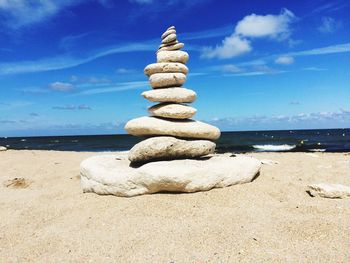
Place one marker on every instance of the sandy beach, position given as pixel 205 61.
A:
pixel 47 218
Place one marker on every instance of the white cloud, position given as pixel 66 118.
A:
pixel 231 68
pixel 116 88
pixel 256 70
pixel 232 46
pixel 274 26
pixel 72 107
pixel 61 86
pixel 124 71
pixel 252 26
pixel 86 80
pixel 66 61
pixel 20 13
pixel 341 48
pixel 338 118
pixel 284 60
pixel 329 25
pixel 314 69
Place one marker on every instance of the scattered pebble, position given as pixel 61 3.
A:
pixel 17 183
pixel 269 162
pixel 328 190
pixel 3 148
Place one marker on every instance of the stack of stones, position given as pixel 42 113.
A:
pixel 174 135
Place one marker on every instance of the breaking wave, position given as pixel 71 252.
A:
pixel 274 148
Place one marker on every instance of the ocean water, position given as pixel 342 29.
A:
pixel 325 140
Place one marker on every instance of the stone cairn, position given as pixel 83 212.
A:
pixel 173 134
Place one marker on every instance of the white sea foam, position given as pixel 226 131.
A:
pixel 274 148
pixel 317 150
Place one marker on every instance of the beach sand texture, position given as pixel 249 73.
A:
pixel 47 218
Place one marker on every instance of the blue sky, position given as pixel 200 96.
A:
pixel 76 66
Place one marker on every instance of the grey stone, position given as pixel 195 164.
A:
pixel 177 94
pixel 168 32
pixel 172 47
pixel 169 38
pixel 162 80
pixel 168 44
pixel 172 56
pixel 153 126
pixel 165 148
pixel 167 67
pixel 172 110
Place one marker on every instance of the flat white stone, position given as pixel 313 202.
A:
pixel 172 110
pixel 163 80
pixel 172 47
pixel 172 56
pixel 168 67
pixel 179 95
pixel 168 44
pixel 168 32
pixel 169 38
pixel 171 27
pixel 153 126
pixel 329 190
pixel 169 148
pixel 112 174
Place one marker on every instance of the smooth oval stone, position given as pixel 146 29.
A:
pixel 171 27
pixel 169 38
pixel 163 80
pixel 168 44
pixel 172 110
pixel 153 126
pixel 167 67
pixel 169 148
pixel 172 47
pixel 172 56
pixel 179 95
pixel 168 32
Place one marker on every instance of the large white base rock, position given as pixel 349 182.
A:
pixel 112 174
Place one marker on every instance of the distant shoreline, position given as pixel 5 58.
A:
pixel 323 140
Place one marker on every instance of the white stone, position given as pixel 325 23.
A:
pixel 172 56
pixel 171 27
pixel 329 190
pixel 172 47
pixel 179 95
pixel 169 38
pixel 3 148
pixel 168 67
pixel 269 162
pixel 168 32
pixel 172 110
pixel 153 126
pixel 112 174
pixel 163 80
pixel 167 148
pixel 169 44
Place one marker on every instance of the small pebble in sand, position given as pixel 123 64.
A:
pixel 17 183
